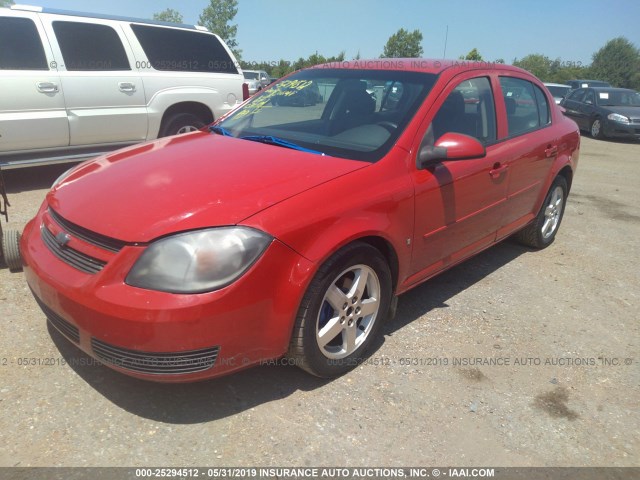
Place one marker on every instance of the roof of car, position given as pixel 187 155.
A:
pixel 610 89
pixel 426 65
pixel 57 11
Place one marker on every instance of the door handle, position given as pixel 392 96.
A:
pixel 497 170
pixel 47 87
pixel 551 151
pixel 127 87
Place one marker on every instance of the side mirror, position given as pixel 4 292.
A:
pixel 450 146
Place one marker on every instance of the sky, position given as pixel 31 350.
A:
pixel 269 30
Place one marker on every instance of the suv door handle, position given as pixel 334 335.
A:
pixel 47 87
pixel 551 151
pixel 497 170
pixel 127 87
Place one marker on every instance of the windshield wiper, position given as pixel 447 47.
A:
pixel 221 131
pixel 270 140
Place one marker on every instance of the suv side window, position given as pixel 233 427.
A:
pixel 525 111
pixel 90 47
pixel 468 109
pixel 183 51
pixel 20 45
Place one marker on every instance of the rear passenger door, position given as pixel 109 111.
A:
pixel 529 151
pixel 32 110
pixel 104 96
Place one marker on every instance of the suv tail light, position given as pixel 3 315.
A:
pixel 245 91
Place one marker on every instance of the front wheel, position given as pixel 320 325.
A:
pixel 542 231
pixel 342 311
pixel 596 129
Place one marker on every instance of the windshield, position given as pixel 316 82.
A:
pixel 355 114
pixel 250 75
pixel 558 91
pixel 619 98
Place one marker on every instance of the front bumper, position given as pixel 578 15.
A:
pixel 621 130
pixel 162 336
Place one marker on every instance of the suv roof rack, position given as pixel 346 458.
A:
pixel 32 8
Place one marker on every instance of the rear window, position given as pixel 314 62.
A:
pixel 90 47
pixel 177 50
pixel 20 45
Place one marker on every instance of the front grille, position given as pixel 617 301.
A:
pixel 169 363
pixel 72 257
pixel 64 327
pixel 88 236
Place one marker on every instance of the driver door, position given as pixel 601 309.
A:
pixel 459 204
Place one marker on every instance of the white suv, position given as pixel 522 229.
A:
pixel 75 85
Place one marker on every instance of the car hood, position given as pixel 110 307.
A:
pixel 186 182
pixel 631 112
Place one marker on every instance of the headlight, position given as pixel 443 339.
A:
pixel 200 261
pixel 616 117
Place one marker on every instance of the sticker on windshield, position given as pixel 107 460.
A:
pixel 585 85
pixel 604 96
pixel 286 88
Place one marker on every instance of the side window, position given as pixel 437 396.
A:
pixel 20 45
pixel 590 98
pixel 543 106
pixel 468 109
pixel 177 50
pixel 90 47
pixel 524 110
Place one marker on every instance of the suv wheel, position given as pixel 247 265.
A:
pixel 11 250
pixel 181 123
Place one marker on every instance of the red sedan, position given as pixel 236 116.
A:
pixel 289 229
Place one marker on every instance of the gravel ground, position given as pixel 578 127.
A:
pixel 562 322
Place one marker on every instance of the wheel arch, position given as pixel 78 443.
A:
pixel 388 252
pixel 567 173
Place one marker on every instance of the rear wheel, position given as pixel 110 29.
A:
pixel 181 123
pixel 342 311
pixel 542 231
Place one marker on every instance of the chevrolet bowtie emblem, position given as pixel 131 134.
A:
pixel 62 239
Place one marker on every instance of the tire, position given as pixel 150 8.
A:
pixel 542 231
pixel 355 310
pixel 181 123
pixel 596 129
pixel 11 250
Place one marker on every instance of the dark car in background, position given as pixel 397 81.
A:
pixel 582 83
pixel 605 112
